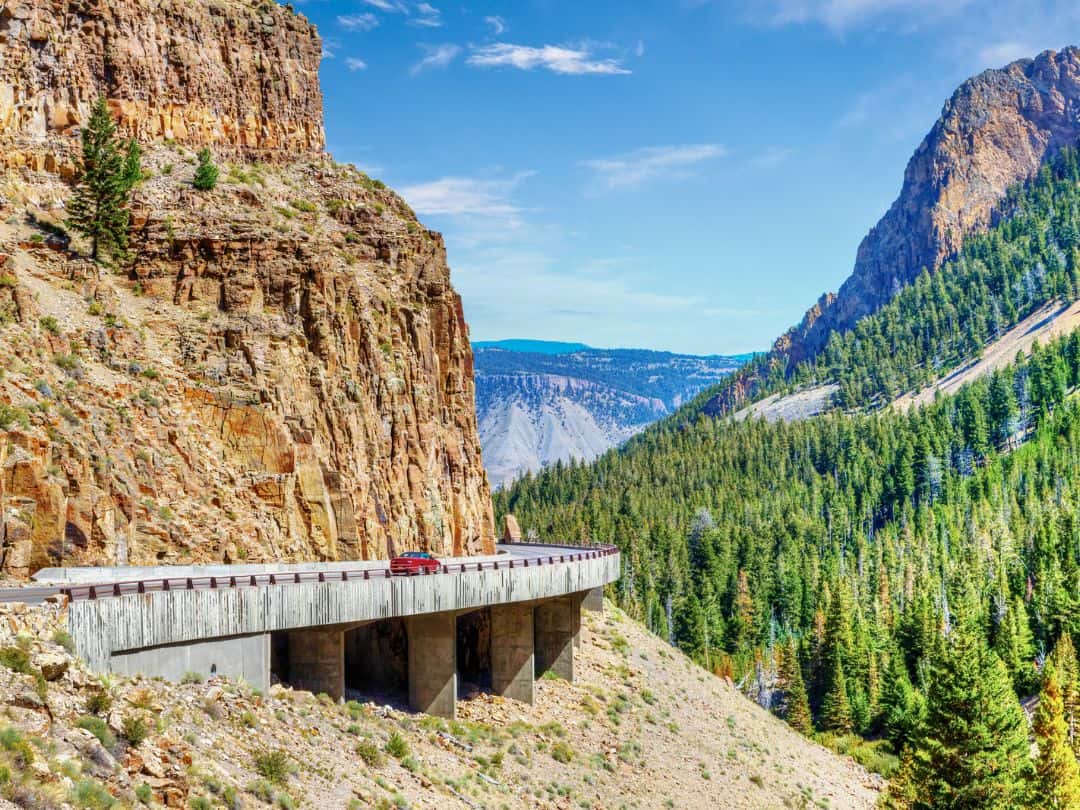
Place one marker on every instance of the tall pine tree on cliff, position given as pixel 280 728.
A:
pixel 796 706
pixel 108 171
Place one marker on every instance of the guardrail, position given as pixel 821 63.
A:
pixel 80 592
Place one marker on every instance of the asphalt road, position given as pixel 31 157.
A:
pixel 131 580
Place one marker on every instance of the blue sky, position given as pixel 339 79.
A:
pixel 685 175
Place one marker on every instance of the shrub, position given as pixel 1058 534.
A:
pixel 192 677
pixel 10 415
pixel 200 803
pixel 262 790
pixel 273 766
pixel 144 793
pixel 98 727
pixel 206 173
pixel 15 659
pixel 64 639
pixel 561 752
pixel 14 743
pixel 99 702
pixel 91 795
pixel 304 206
pixel 50 324
pixel 397 747
pixel 370 753
pixel 135 730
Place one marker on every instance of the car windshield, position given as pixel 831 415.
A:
pixel 422 555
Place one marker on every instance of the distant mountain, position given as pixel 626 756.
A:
pixel 533 346
pixel 539 402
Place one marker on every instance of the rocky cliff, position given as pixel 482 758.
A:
pixel 240 75
pixel 282 372
pixel 995 131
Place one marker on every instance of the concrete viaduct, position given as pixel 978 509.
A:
pixel 499 621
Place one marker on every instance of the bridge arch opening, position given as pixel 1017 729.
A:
pixel 377 662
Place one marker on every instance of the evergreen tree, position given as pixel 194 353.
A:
pixel 902 705
pixel 1065 664
pixel 972 750
pixel 835 706
pixel 796 706
pixel 206 173
pixel 1057 776
pixel 99 207
pixel 132 165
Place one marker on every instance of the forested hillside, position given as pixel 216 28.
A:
pixel 879 558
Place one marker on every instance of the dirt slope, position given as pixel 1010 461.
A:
pixel 642 727
pixel 1044 324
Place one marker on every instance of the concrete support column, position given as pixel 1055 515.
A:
pixel 594 600
pixel 317 660
pixel 433 663
pixel 557 629
pixel 513 667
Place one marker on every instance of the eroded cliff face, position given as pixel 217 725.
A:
pixel 239 75
pixel 995 131
pixel 281 372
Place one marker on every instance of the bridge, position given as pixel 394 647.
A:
pixel 500 621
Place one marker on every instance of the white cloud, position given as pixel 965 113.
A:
pixel 634 169
pixel 354 64
pixel 568 60
pixel 497 23
pixel 771 156
pixel 841 15
pixel 358 22
pixel 466 197
pixel 390 6
pixel 429 16
pixel 438 56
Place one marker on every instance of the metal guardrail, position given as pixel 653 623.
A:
pixel 105 590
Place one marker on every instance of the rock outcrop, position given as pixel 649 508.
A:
pixel 239 75
pixel 283 369
pixel 995 131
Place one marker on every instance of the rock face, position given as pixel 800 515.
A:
pixel 281 372
pixel 234 74
pixel 995 131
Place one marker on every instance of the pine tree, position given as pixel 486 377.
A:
pixel 132 165
pixel 902 706
pixel 796 705
pixel 835 706
pixel 972 750
pixel 206 173
pixel 1065 664
pixel 98 209
pixel 1057 776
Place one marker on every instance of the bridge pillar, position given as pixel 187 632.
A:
pixel 433 663
pixel 512 652
pixel 594 600
pixel 557 629
pixel 317 660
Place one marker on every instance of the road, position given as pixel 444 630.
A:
pixel 84 583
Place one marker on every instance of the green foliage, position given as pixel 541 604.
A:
pixel 15 744
pixel 99 702
pixel 135 729
pixel 370 753
pixel 273 766
pixel 16 660
pixel 91 795
pixel 795 706
pixel 1057 776
pixel 50 325
pixel 396 746
pixel 98 209
pixel 206 173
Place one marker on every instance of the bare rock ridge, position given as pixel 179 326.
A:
pixel 996 131
pixel 234 74
pixel 282 372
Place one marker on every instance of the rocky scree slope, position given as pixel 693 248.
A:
pixel 642 726
pixel 996 131
pixel 282 372
pixel 535 409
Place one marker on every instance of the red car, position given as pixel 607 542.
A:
pixel 414 562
